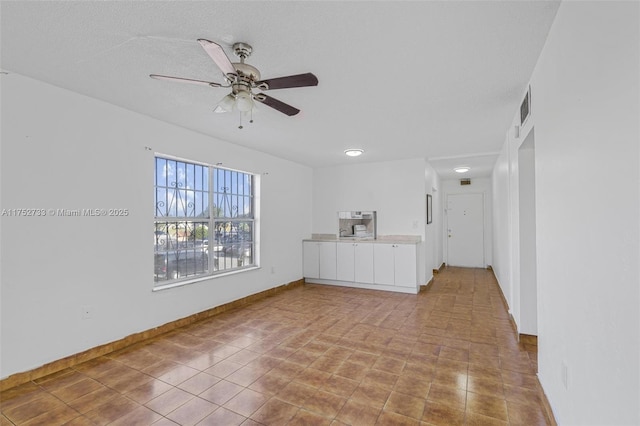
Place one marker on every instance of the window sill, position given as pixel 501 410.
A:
pixel 203 278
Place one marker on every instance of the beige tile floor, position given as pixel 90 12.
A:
pixel 313 355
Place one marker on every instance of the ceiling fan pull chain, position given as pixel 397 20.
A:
pixel 240 126
pixel 251 116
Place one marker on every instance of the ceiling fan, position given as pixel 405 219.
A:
pixel 243 80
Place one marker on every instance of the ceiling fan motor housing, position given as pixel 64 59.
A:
pixel 244 79
pixel 246 74
pixel 246 70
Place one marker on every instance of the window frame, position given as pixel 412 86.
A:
pixel 213 219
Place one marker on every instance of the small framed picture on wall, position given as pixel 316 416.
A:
pixel 429 209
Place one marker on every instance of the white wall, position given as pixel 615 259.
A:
pixel 64 150
pixel 502 241
pixel 585 112
pixel 395 189
pixel 478 186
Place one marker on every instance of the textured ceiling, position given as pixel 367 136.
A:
pixel 435 80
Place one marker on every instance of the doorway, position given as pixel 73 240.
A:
pixel 465 230
pixel 527 233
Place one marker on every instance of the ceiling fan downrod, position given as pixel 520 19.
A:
pixel 242 50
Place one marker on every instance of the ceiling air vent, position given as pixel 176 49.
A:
pixel 465 181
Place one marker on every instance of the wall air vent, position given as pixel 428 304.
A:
pixel 465 181
pixel 525 107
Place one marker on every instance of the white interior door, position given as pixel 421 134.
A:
pixel 465 230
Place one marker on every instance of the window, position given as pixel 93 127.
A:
pixel 204 220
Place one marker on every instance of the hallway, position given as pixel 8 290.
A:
pixel 313 355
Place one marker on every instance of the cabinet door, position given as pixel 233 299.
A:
pixel 383 264
pixel 311 259
pixel 345 262
pixel 406 274
pixel 327 261
pixel 363 263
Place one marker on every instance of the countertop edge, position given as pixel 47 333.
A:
pixel 389 239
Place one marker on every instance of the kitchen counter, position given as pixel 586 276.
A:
pixel 387 263
pixel 382 239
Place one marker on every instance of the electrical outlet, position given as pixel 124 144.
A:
pixel 86 312
pixel 564 373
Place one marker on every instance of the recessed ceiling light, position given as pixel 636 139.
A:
pixel 464 169
pixel 353 152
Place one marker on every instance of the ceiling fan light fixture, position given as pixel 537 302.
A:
pixel 462 169
pixel 226 104
pixel 353 152
pixel 244 102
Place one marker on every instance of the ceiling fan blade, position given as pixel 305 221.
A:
pixel 216 53
pixel 276 104
pixel 185 80
pixel 299 80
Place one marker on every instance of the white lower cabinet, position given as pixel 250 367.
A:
pixel 384 266
pixel 328 261
pixel 406 267
pixel 395 264
pixel 319 259
pixel 363 261
pixel 355 262
pixel 384 269
pixel 345 262
pixel 311 259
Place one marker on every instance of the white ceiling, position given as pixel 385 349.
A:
pixel 439 80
